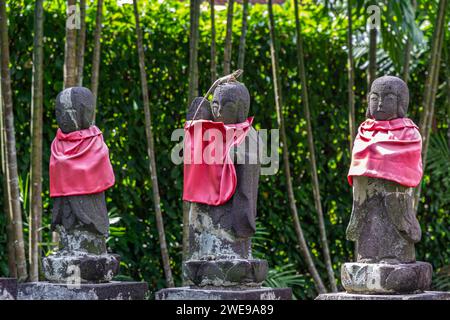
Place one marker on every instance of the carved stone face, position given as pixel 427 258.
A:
pixel 231 103
pixel 203 113
pixel 388 99
pixel 75 109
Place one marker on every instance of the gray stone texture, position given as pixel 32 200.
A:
pixel 82 254
pixel 393 94
pixel 231 103
pixel 379 278
pixel 81 239
pixel 74 109
pixel 203 112
pixel 90 268
pixel 8 288
pixel 86 211
pixel 227 272
pixel 383 221
pixel 103 291
pixel 427 295
pixel 187 293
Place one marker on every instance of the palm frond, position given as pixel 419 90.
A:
pixel 441 281
pixel 285 276
pixel 438 156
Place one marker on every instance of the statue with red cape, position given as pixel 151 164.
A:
pixel 80 173
pixel 385 169
pixel 221 176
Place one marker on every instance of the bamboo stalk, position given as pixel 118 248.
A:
pixel 12 173
pixel 406 62
pixel 279 105
pixel 228 39
pixel 213 43
pixel 193 50
pixel 81 42
pixel 36 142
pixel 408 48
pixel 9 229
pixel 350 85
pixel 447 69
pixel 351 77
pixel 70 50
pixel 96 55
pixel 372 72
pixel 312 152
pixel 431 85
pixel 241 56
pixel 151 152
pixel 193 92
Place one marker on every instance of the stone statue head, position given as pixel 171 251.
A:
pixel 75 109
pixel 388 99
pixel 231 103
pixel 203 113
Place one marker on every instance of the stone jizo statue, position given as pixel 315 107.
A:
pixel 80 172
pixel 220 235
pixel 221 175
pixel 386 167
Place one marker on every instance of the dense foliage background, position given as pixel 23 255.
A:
pixel 120 116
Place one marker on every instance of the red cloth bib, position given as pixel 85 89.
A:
pixel 209 173
pixel 389 150
pixel 79 163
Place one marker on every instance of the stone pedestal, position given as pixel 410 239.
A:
pixel 226 272
pixel 102 291
pixel 83 255
pixel 379 278
pixel 189 293
pixel 427 295
pixel 378 281
pixel 62 266
pixel 8 288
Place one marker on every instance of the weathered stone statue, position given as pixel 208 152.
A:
pixel 223 200
pixel 386 166
pixel 220 235
pixel 80 171
pixel 383 221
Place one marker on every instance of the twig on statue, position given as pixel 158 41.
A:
pixel 225 79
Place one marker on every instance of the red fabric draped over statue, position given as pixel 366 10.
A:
pixel 209 173
pixel 389 150
pixel 79 163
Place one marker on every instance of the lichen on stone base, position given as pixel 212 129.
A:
pixel 78 266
